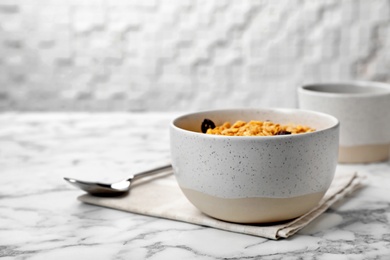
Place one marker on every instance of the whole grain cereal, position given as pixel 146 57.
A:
pixel 257 128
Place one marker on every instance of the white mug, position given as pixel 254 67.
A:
pixel 363 109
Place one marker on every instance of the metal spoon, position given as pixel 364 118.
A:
pixel 117 188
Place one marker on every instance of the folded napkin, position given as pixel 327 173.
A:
pixel 161 197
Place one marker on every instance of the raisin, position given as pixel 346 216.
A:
pixel 282 132
pixel 206 124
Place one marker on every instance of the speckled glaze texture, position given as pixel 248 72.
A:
pixel 362 108
pixel 246 167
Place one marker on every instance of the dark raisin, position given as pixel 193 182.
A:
pixel 282 132
pixel 206 124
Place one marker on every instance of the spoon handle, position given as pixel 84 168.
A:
pixel 150 172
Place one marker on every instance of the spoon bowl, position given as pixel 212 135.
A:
pixel 114 189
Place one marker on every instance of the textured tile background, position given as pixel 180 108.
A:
pixel 149 55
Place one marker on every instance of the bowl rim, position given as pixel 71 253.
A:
pixel 336 123
pixel 305 89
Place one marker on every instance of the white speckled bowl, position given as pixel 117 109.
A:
pixel 254 179
pixel 363 109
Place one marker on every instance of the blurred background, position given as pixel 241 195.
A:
pixel 173 55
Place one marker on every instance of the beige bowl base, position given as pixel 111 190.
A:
pixel 253 210
pixel 364 153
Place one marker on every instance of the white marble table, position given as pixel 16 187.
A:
pixel 40 217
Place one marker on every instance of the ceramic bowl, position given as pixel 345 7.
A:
pixel 254 179
pixel 363 110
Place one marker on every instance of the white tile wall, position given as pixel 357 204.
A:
pixel 147 55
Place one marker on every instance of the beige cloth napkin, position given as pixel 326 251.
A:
pixel 162 197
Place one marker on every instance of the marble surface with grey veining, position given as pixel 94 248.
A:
pixel 40 217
